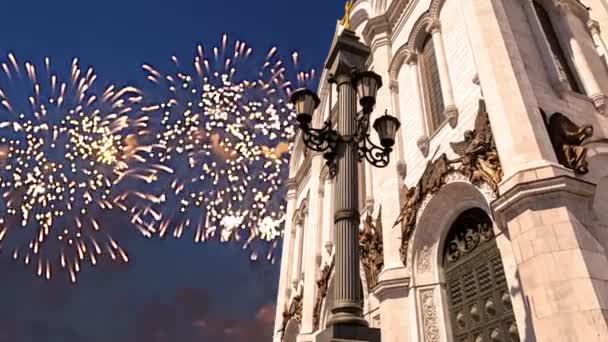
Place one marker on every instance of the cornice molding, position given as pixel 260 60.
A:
pixel 392 282
pixel 374 27
pixel 395 11
pixel 530 191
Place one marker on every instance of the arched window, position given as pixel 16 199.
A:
pixel 478 297
pixel 563 63
pixel 433 96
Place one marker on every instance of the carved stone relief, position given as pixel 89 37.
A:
pixel 430 319
pixel 478 163
pixel 371 248
pixel 424 259
pixel 567 139
pixel 322 287
pixel 293 311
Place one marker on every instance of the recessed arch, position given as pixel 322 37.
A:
pixel 398 60
pixel 431 229
pixel 418 32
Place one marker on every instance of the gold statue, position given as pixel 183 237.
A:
pixel 478 156
pixel 348 8
pixel 567 139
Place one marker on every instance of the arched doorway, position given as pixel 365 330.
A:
pixel 479 302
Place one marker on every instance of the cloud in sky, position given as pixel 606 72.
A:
pixel 189 319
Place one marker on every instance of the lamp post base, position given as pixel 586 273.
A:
pixel 348 333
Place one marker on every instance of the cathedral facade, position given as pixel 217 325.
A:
pixel 491 221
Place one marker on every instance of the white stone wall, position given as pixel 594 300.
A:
pixel 493 42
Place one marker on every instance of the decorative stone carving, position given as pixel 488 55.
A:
pixel 293 311
pixel 465 241
pixel 370 245
pixel 567 139
pixel 478 156
pixel 431 181
pixel 429 317
pixel 424 260
pixel 322 287
pixel 479 163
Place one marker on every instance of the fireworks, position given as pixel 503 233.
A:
pixel 209 157
pixel 225 130
pixel 66 153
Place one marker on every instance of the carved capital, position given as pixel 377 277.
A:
pixel 451 114
pixel 599 102
pixel 434 26
pixel 412 58
pixel 575 7
pixel 594 27
pixel 564 7
pixel 475 79
pixel 394 86
pixel 423 145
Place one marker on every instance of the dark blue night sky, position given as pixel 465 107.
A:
pixel 173 290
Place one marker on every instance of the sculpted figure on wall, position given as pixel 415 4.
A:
pixel 478 162
pixel 322 288
pixel 433 178
pixel 478 157
pixel 370 244
pixel 567 139
pixel 294 308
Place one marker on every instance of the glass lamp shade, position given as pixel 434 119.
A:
pixel 387 127
pixel 367 83
pixel 305 102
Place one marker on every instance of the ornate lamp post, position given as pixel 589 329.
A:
pixel 343 149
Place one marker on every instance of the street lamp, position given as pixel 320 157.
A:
pixel 343 147
pixel 327 140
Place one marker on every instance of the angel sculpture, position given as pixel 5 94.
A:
pixel 407 216
pixel 478 156
pixel 370 243
pixel 567 138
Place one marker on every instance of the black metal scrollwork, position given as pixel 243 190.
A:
pixel 366 149
pixel 324 139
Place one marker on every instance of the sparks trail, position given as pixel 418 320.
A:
pixel 226 129
pixel 67 152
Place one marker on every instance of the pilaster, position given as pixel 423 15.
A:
pixel 284 281
pixel 312 234
pixel 518 128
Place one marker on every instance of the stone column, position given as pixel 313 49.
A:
pixel 451 111
pixel 562 267
pixel 369 188
pixel 422 130
pixel 284 281
pixel 347 323
pixel 296 273
pixel 328 211
pixel 347 307
pixel 594 29
pixel 583 52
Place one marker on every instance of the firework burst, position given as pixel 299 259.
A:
pixel 66 153
pixel 226 130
